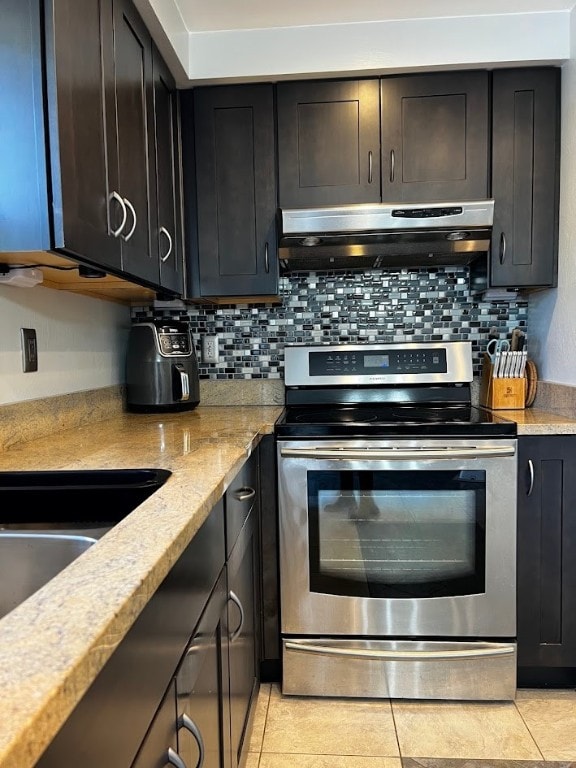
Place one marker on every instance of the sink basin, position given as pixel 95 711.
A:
pixel 30 560
pixel 49 518
pixel 74 500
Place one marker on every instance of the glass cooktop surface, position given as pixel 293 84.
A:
pixel 360 420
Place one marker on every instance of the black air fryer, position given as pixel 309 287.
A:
pixel 161 368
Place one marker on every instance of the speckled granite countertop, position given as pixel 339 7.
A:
pixel 53 645
pixel 535 421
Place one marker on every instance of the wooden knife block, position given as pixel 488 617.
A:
pixel 501 394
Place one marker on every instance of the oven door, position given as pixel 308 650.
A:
pixel 403 538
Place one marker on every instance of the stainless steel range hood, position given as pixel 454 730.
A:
pixel 395 235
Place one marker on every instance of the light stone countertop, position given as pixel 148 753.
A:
pixel 54 644
pixel 535 421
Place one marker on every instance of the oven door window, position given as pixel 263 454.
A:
pixel 397 534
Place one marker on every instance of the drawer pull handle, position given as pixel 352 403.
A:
pixel 244 494
pixel 184 721
pixel 235 599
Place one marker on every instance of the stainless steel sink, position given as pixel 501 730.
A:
pixel 30 560
pixel 49 518
pixel 80 500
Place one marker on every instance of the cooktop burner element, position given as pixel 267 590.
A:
pixel 384 415
pixel 383 389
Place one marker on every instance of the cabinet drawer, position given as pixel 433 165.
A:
pixel 240 499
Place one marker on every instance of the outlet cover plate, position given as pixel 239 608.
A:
pixel 29 350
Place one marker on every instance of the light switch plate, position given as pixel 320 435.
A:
pixel 29 350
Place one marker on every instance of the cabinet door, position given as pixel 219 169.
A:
pixel 160 744
pixel 328 143
pixel 133 83
pixel 435 137
pixel 167 240
pixel 202 689
pixel 243 632
pixel 525 177
pixel 107 727
pixel 82 139
pixel 236 190
pixel 546 562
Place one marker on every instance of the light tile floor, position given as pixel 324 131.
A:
pixel 298 732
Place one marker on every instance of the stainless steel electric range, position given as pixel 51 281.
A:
pixel 397 526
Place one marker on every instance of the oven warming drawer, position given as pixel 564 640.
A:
pixel 399 669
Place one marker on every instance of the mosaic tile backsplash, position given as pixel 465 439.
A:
pixel 349 307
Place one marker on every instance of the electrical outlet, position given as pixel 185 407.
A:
pixel 210 349
pixel 29 349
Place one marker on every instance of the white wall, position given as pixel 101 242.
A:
pixel 81 342
pixel 378 45
pixel 552 313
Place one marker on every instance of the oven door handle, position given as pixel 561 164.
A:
pixel 473 653
pixel 398 454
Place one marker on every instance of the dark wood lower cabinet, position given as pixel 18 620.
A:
pixel 202 689
pixel 183 682
pixel 108 725
pixel 546 561
pixel 242 633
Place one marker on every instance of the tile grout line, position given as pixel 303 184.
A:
pixel 529 731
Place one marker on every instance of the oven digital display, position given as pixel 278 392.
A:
pixel 400 361
pixel 376 361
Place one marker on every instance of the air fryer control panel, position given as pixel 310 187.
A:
pixel 173 342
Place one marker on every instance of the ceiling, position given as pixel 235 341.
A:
pixel 219 15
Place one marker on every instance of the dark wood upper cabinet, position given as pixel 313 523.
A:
pixel 167 235
pixel 235 181
pixel 409 138
pixel 328 143
pixel 525 177
pixel 546 565
pixel 94 131
pixel 82 145
pixel 131 69
pixel 435 137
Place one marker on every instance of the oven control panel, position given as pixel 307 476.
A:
pixel 442 362
pixel 375 362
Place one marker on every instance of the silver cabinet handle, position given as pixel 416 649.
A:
pixel 244 494
pixel 396 454
pixel 235 599
pixel 400 655
pixel 134 220
pixel 186 722
pixel 531 471
pixel 392 165
pixel 502 248
pixel 174 758
pixel 266 259
pixel 116 196
pixel 370 167
pixel 165 232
